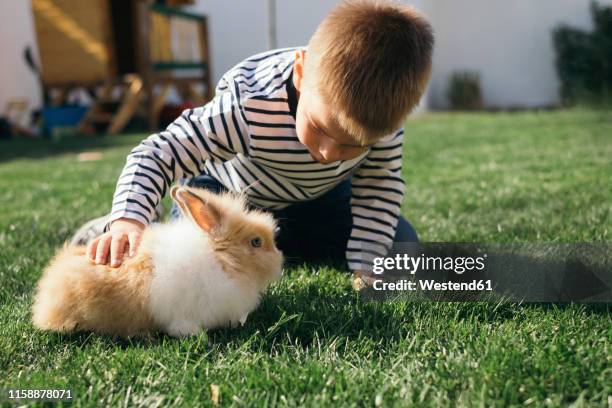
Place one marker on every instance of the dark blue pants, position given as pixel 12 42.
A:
pixel 316 230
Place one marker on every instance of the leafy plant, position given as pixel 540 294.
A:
pixel 584 59
pixel 464 91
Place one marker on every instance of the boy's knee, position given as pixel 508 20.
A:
pixel 405 232
pixel 206 182
pixel 202 181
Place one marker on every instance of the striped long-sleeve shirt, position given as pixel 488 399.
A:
pixel 246 133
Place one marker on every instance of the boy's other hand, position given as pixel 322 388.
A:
pixel 122 232
pixel 362 280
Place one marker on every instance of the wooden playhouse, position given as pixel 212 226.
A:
pixel 127 53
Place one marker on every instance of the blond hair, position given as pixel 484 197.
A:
pixel 370 61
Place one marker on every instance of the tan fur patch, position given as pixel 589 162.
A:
pixel 75 294
pixel 251 267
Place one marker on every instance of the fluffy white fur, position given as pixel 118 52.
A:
pixel 189 290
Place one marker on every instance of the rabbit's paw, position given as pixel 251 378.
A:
pixel 243 319
pixel 183 328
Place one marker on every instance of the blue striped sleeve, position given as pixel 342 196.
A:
pixel 212 132
pixel 377 194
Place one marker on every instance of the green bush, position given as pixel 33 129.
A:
pixel 584 59
pixel 464 91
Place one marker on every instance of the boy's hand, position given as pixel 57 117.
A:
pixel 122 231
pixel 362 280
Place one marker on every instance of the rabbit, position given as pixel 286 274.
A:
pixel 205 270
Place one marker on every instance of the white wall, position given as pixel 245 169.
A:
pixel 297 20
pixel 236 29
pixel 508 42
pixel 16 32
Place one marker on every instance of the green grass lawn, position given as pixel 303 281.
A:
pixel 523 177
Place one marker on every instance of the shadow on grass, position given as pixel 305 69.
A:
pixel 312 312
pixel 45 148
pixel 304 317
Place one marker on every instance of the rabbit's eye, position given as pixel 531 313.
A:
pixel 256 242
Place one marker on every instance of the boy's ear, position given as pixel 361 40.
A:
pixel 298 69
pixel 203 212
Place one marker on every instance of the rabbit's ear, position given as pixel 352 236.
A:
pixel 203 212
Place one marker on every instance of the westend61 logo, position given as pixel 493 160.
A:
pixel 412 264
pixel 423 263
pixel 523 272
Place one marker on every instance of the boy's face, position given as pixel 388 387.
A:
pixel 315 126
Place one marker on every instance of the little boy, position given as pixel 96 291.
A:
pixel 312 134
